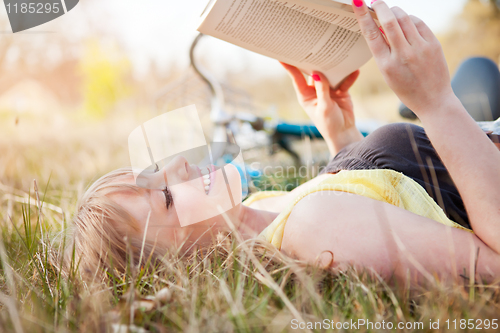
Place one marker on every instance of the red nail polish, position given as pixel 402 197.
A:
pixel 372 2
pixel 316 77
pixel 358 3
pixel 380 28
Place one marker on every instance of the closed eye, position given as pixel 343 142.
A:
pixel 169 200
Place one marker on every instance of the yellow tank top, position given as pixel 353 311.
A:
pixel 382 185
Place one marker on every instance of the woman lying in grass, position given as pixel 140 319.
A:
pixel 374 218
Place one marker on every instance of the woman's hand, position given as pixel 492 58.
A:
pixel 410 56
pixel 331 110
pixel 413 65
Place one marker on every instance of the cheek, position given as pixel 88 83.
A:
pixel 186 196
pixel 192 205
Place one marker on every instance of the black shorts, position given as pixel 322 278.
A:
pixel 405 148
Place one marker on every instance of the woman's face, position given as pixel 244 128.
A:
pixel 188 209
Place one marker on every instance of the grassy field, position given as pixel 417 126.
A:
pixel 45 164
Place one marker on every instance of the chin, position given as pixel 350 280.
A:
pixel 234 180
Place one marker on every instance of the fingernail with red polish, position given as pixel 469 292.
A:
pixel 372 2
pixel 358 3
pixel 316 77
pixel 380 28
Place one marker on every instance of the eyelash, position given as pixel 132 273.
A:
pixel 168 197
pixel 169 201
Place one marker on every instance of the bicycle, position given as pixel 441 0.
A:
pixel 252 132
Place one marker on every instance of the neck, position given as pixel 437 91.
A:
pixel 253 221
pixel 250 223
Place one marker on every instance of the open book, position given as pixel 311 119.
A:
pixel 313 35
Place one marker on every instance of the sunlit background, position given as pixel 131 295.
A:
pixel 72 89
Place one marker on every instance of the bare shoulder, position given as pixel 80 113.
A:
pixel 376 235
pixel 343 223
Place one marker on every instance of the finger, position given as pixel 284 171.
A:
pixel 322 86
pixel 349 81
pixel 407 26
pixel 390 24
pixel 423 29
pixel 370 30
pixel 299 81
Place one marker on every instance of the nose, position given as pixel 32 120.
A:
pixel 177 170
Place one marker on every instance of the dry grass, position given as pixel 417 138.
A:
pixel 232 286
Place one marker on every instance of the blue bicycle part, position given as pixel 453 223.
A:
pixel 302 130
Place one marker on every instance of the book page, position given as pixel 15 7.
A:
pixel 330 11
pixel 288 35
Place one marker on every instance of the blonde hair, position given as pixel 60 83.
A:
pixel 105 236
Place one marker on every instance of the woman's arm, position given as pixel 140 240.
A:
pixel 385 238
pixel 413 64
pixel 331 110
